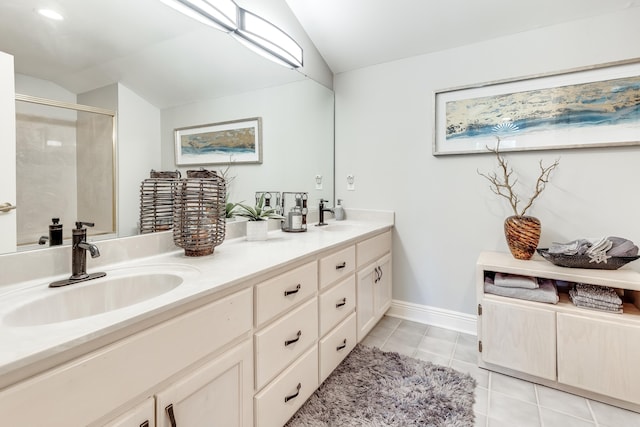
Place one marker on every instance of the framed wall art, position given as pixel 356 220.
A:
pixel 589 107
pixel 236 141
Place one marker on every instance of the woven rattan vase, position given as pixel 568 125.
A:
pixel 522 234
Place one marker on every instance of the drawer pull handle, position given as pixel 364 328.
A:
pixel 172 417
pixel 341 266
pixel 293 396
pixel 145 424
pixel 341 346
pixel 288 342
pixel 295 291
pixel 341 303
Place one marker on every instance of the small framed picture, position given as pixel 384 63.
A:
pixel 236 141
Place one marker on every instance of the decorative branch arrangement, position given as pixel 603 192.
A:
pixel 504 185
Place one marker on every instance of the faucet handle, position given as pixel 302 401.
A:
pixel 79 224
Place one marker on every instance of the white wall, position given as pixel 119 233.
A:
pixel 445 212
pixel 138 153
pixel 297 132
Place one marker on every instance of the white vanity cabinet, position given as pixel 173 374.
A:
pixel 373 281
pixel 285 337
pixel 86 390
pixel 586 352
pixel 217 393
pixel 337 309
pixel 142 415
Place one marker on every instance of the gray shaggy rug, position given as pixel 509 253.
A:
pixel 376 388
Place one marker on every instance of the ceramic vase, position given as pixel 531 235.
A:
pixel 522 234
pixel 257 230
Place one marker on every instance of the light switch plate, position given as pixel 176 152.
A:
pixel 318 182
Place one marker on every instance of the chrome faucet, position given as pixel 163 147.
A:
pixel 321 211
pixel 79 248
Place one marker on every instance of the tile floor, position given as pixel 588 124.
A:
pixel 501 401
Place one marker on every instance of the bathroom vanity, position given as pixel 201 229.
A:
pixel 581 351
pixel 243 340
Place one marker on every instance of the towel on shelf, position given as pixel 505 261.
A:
pixel 515 281
pixel 593 303
pixel 599 293
pixel 546 292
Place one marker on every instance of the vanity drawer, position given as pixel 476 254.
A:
pixel 337 265
pixel 373 248
pixel 336 304
pixel 282 398
pixel 282 342
pixel 277 295
pixel 335 346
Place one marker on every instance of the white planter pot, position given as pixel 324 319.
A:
pixel 257 230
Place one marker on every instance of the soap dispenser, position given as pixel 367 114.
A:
pixel 338 211
pixel 55 234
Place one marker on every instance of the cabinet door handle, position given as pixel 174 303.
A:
pixel 341 265
pixel 288 342
pixel 377 275
pixel 293 396
pixel 380 270
pixel 172 417
pixel 341 346
pixel 6 207
pixel 295 291
pixel 145 424
pixel 341 303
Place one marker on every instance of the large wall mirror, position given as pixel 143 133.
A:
pixel 160 71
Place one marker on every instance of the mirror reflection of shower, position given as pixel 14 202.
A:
pixel 66 151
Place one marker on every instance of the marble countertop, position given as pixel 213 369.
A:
pixel 27 350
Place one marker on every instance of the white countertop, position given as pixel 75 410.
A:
pixel 26 350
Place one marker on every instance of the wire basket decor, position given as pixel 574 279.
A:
pixel 199 212
pixel 156 201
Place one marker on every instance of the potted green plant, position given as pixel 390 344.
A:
pixel 257 217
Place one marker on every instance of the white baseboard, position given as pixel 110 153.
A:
pixel 434 316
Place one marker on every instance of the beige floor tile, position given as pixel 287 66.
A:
pixel 551 418
pixel 611 416
pixel 507 411
pixel 563 402
pixel 513 387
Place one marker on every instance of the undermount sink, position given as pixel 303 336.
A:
pixel 116 290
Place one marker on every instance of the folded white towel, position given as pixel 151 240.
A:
pixel 515 281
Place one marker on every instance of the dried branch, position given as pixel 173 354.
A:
pixel 504 186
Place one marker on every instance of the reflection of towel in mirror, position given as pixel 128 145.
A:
pixel 515 281
pixel 547 291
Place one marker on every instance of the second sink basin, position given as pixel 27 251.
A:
pixel 115 291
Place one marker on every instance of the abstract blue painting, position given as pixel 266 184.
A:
pixel 237 141
pixel 548 113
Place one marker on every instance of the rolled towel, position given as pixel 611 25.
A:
pixel 575 247
pixel 515 281
pixel 622 247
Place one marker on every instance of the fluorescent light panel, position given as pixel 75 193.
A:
pixel 219 14
pixel 276 44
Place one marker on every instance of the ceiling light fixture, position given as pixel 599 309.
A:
pixel 219 14
pixel 51 14
pixel 270 41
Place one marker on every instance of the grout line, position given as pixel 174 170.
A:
pixel 489 393
pixel 593 414
pixel 535 391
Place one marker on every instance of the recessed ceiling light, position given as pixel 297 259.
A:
pixel 51 14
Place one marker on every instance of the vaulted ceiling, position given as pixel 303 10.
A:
pixel 352 34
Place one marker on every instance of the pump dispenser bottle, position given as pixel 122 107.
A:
pixel 338 211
